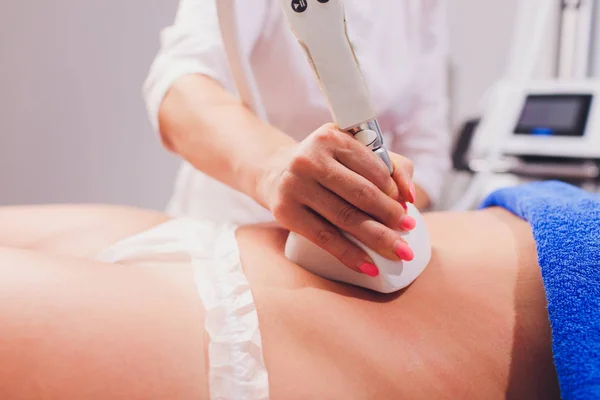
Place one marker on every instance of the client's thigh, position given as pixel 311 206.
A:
pixel 78 329
pixel 74 230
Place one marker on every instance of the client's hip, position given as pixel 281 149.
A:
pixel 234 353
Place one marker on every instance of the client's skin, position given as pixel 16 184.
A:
pixel 473 326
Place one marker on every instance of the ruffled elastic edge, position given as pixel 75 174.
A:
pixel 237 369
pixel 236 365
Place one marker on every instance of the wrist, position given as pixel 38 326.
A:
pixel 263 174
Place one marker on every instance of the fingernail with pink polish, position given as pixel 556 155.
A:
pixel 404 251
pixel 408 223
pixel 369 269
pixel 403 204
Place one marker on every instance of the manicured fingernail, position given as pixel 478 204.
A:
pixel 403 204
pixel 404 251
pixel 413 193
pixel 408 223
pixel 369 269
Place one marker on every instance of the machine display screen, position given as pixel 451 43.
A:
pixel 554 115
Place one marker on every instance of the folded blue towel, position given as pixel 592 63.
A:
pixel 566 227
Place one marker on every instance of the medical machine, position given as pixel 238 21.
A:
pixel 544 118
pixel 538 128
pixel 320 27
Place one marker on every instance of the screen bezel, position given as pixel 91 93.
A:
pixel 578 130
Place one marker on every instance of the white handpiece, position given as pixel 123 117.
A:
pixel 320 27
pixel 393 275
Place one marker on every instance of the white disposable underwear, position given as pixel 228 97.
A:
pixel 236 365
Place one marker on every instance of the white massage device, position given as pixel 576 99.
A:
pixel 320 27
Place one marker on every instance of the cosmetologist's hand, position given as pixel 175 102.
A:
pixel 329 183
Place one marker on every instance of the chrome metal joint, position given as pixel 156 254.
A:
pixel 373 141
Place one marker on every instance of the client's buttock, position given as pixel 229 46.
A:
pixel 472 326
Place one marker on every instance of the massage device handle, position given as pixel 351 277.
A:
pixel 320 27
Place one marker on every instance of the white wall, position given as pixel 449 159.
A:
pixel 73 127
pixel 595 60
pixel 480 36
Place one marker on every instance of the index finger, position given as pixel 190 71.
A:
pixel 363 161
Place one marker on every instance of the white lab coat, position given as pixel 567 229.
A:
pixel 401 47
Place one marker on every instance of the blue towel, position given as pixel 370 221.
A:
pixel 566 227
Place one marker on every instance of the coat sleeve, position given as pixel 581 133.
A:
pixel 193 45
